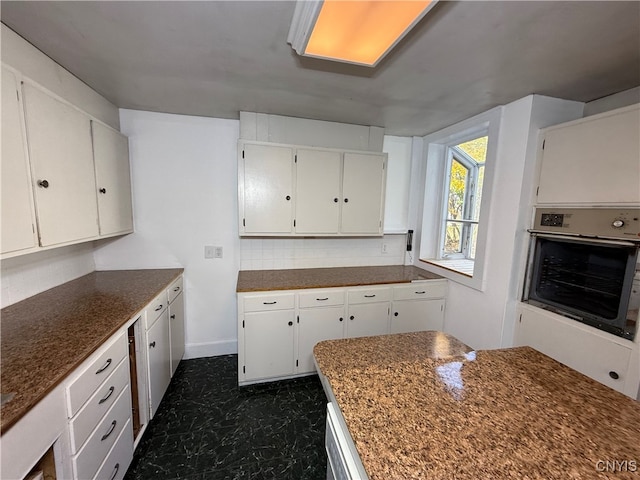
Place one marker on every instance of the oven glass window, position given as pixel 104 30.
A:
pixel 586 278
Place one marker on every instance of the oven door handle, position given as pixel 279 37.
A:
pixel 582 238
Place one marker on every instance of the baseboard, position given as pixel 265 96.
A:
pixel 210 349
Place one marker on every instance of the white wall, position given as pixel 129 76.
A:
pixel 184 175
pixel 481 318
pixel 28 275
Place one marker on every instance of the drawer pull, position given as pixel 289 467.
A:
pixel 172 317
pixel 176 289
pixel 159 307
pixel 106 365
pixel 614 375
pixel 322 299
pixel 369 296
pixel 152 344
pixel 420 293
pixel 102 400
pixel 269 303
pixel 115 471
pixel 111 429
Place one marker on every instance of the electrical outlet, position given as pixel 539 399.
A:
pixel 217 252
pixel 385 248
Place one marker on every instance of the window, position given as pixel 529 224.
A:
pixel 460 166
pixel 465 176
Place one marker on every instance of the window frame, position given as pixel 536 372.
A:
pixel 434 202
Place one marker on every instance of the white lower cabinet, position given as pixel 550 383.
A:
pixel 159 360
pixel 278 330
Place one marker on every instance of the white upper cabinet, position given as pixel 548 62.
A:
pixel 18 217
pixel 297 191
pixel 318 178
pixel 113 180
pixel 266 189
pixel 363 193
pixel 592 161
pixel 61 158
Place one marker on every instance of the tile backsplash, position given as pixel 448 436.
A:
pixel 28 275
pixel 281 253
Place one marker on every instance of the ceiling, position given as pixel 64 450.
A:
pixel 216 58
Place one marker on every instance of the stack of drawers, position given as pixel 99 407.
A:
pixel 99 411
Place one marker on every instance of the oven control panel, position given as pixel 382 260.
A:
pixel 616 223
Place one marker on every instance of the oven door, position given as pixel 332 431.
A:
pixel 588 280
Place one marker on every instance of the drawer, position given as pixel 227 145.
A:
pixel 269 301
pixel 119 458
pixel 89 416
pixel 96 448
pixel 97 372
pixel 155 308
pixel 369 295
pixel 321 298
pixel 174 290
pixel 432 289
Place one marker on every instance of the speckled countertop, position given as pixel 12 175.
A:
pixel 422 405
pixel 45 337
pixel 264 280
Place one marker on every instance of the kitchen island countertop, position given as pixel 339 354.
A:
pixel 424 405
pixel 47 336
pixel 301 278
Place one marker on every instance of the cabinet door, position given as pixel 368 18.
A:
pixel 368 319
pixel 18 217
pixel 113 180
pixel 317 191
pixel 315 325
pixel 363 193
pixel 268 189
pixel 159 357
pixel 593 161
pixel 176 330
pixel 417 316
pixel 62 165
pixel 268 344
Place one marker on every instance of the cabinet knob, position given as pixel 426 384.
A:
pixel 288 197
pixel 614 375
pixel 43 183
pixel 335 200
pixel 152 344
pixel 103 190
pixel 172 317
pixel 395 314
pixel 346 200
pixel 290 323
pixel 341 318
pixel 351 317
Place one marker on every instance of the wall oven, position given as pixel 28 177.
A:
pixel 582 263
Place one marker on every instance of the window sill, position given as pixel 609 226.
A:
pixel 462 266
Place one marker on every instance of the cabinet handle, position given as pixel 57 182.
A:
pixel 369 296
pixel 106 365
pixel 322 299
pixel 103 190
pixel 159 307
pixel 290 323
pixel 341 319
pixel 346 200
pixel 614 375
pixel 43 183
pixel 111 429
pixel 351 317
pixel 115 471
pixel 172 317
pixel 152 344
pixel 420 293
pixel 269 303
pixel 288 197
pixel 102 400
pixel 395 314
pixel 335 200
pixel 176 289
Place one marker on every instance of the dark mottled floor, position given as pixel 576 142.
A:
pixel 208 428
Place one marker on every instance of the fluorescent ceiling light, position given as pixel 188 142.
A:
pixel 358 31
